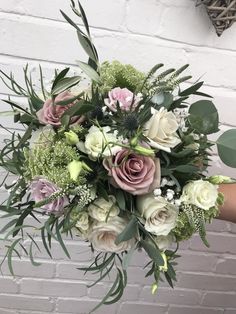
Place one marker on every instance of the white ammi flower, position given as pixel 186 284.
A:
pixel 100 209
pixel 98 143
pixel 104 234
pixel 202 194
pixel 160 216
pixel 161 129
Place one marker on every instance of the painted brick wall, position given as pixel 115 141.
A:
pixel 142 33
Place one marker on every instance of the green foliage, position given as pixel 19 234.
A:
pixel 204 117
pixel 116 74
pixel 183 230
pixel 226 145
pixel 165 81
pixel 50 161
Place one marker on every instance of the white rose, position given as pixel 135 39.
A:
pixel 43 137
pixel 96 143
pixel 103 236
pixel 160 216
pixel 200 193
pixel 164 242
pixel 161 129
pixel 100 209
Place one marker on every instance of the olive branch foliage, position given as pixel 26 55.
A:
pixel 178 165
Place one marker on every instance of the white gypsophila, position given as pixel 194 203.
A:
pixel 41 137
pixel 103 235
pixel 181 115
pixel 161 129
pixel 164 242
pixel 169 194
pixel 200 193
pixel 101 209
pixel 157 192
pixel 98 143
pixel 160 215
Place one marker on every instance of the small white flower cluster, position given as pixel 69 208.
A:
pixel 170 194
pixel 181 115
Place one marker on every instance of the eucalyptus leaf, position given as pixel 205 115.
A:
pixel 204 117
pixel 64 84
pixel 152 251
pixel 88 70
pixel 129 232
pixel 226 145
pixel 60 76
pixel 87 46
pixel 186 168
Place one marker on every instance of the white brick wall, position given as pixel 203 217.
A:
pixel 142 33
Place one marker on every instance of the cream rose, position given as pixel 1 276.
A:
pixel 103 236
pixel 161 129
pixel 101 210
pixel 202 194
pixel 160 216
pixel 96 143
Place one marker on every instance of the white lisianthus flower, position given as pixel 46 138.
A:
pixel 82 224
pixel 83 221
pixel 104 234
pixel 164 242
pixel 202 194
pixel 43 137
pixel 96 143
pixel 161 129
pixel 100 209
pixel 160 216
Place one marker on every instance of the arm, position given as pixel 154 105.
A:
pixel 228 210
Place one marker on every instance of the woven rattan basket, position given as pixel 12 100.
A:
pixel 221 12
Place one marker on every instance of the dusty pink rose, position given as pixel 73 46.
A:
pixel 133 173
pixel 51 113
pixel 42 189
pixel 127 100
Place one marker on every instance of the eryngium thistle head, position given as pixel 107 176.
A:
pixel 131 122
pixel 96 113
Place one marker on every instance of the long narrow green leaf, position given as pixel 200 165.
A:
pixel 31 256
pixel 45 242
pixel 9 255
pixel 88 70
pixel 108 294
pixel 59 238
pixel 65 84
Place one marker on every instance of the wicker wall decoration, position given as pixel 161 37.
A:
pixel 221 12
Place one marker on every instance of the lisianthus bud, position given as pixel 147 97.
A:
pixel 71 138
pixel 165 266
pixel 143 151
pixel 134 141
pixel 220 179
pixel 154 288
pixel 86 167
pixel 75 167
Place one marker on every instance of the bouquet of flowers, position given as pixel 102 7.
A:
pixel 121 164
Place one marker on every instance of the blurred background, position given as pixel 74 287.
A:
pixel 142 33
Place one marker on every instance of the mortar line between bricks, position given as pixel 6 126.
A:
pixel 167 40
pixel 50 62
pixel 210 274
